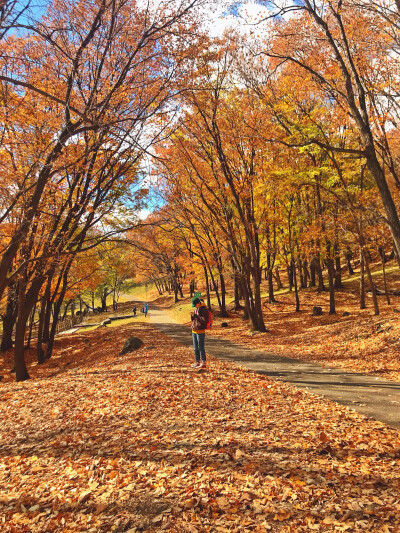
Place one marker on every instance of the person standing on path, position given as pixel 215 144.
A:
pixel 145 309
pixel 134 310
pixel 199 323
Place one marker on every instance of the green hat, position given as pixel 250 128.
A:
pixel 195 301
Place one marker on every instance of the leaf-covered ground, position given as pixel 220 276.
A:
pixel 143 442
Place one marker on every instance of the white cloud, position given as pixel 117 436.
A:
pixel 143 214
pixel 249 18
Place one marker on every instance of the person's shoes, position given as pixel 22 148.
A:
pixel 196 365
pixel 202 364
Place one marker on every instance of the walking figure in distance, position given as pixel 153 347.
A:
pixel 199 323
pixel 134 310
pixel 145 309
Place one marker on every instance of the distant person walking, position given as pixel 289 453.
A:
pixel 199 323
pixel 145 309
pixel 134 310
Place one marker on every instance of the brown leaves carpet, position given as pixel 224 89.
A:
pixel 99 443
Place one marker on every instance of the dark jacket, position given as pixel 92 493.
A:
pixel 200 319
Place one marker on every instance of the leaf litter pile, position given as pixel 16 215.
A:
pixel 142 442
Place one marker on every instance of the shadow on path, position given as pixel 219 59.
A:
pixel 367 394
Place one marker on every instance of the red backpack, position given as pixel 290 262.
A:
pixel 209 320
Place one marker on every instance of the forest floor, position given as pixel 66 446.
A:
pixel 98 442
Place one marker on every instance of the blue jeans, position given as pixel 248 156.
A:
pixel 198 344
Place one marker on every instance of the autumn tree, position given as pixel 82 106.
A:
pixel 345 51
pixel 93 85
pixel 109 70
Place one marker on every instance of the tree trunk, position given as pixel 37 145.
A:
pixel 19 348
pixel 290 276
pixel 386 196
pixel 104 300
pixel 362 281
pixel 9 318
pixel 223 311
pixel 114 304
pixel 237 291
pixel 269 277
pixel 383 260
pixel 296 291
pixel 349 256
pixel 312 273
pixel 338 270
pixel 371 284
pixel 207 286
pixel 31 323
pixel 331 279
pixel 47 319
pixel 318 269
pixel 306 273
pixel 39 346
pixel 56 311
pixel 260 326
pixel 279 285
pixel 191 288
pixel 300 270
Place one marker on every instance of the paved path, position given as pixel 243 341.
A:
pixel 373 396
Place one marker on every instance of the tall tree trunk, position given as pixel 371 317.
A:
pixel 56 310
pixel 338 269
pixel 362 281
pixel 377 172
pixel 237 288
pixel 279 284
pixel 223 310
pixel 270 277
pixel 114 304
pixel 290 275
pixel 306 273
pixel 318 269
pixel 39 347
pixel 371 283
pixel 44 322
pixel 349 256
pixel 191 288
pixel 269 272
pixel 257 300
pixel 9 318
pixel 300 270
pixel 383 260
pixel 331 279
pixel 296 291
pixel 312 273
pixel 30 329
pixel 103 299
pixel 207 286
pixel 19 348
pixel 215 286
